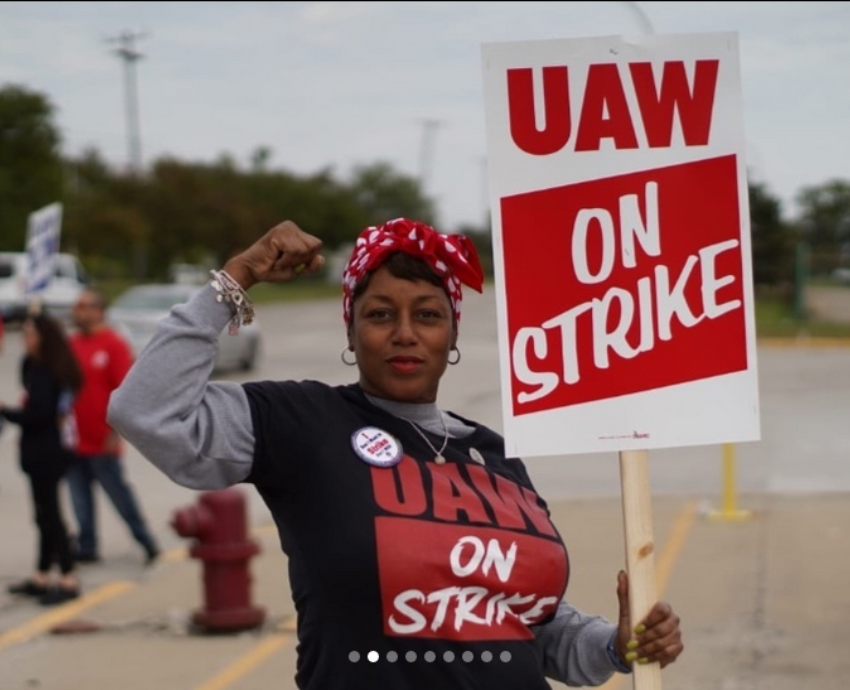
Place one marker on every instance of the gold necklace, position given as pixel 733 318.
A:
pixel 439 458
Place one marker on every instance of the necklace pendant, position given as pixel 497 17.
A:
pixel 440 460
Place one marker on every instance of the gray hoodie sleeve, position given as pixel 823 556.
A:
pixel 574 646
pixel 197 432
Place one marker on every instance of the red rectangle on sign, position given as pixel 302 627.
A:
pixel 624 284
pixel 465 582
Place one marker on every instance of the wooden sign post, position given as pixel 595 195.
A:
pixel 640 550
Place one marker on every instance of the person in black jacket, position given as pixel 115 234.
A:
pixel 50 377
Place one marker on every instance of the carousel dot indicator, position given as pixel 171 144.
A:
pixel 373 656
pixel 354 657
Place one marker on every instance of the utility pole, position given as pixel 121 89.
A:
pixel 426 154
pixel 129 54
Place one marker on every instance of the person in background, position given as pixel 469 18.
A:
pixel 50 377
pixel 409 532
pixel 104 357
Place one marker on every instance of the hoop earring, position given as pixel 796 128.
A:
pixel 454 349
pixel 344 360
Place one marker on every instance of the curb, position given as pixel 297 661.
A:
pixel 803 342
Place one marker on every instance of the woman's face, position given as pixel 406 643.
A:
pixel 32 340
pixel 401 334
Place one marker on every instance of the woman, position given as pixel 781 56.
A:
pixel 438 555
pixel 50 377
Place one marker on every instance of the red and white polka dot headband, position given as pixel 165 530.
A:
pixel 453 258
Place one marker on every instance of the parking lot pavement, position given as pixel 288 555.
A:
pixel 762 601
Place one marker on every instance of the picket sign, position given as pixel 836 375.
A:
pixel 622 257
pixel 44 230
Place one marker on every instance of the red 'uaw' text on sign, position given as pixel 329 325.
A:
pixel 631 282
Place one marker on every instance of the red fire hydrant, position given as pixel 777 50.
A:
pixel 220 527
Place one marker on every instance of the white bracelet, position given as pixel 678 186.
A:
pixel 231 292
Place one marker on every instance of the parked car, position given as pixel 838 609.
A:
pixel 69 280
pixel 193 274
pixel 138 310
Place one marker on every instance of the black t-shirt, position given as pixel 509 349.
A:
pixel 439 569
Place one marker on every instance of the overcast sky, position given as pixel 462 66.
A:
pixel 340 84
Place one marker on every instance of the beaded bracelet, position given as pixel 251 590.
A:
pixel 231 292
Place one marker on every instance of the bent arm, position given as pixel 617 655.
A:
pixel 197 432
pixel 574 647
pixel 39 412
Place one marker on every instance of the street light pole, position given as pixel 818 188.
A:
pixel 645 23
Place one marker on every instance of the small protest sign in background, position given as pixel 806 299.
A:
pixel 44 229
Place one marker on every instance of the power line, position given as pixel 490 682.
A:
pixel 130 55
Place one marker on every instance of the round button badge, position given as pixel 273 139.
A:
pixel 376 447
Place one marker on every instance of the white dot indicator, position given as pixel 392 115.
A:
pixel 373 656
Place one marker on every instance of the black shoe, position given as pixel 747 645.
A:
pixel 27 587
pixel 151 554
pixel 58 595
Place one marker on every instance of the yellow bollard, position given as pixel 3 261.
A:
pixel 730 509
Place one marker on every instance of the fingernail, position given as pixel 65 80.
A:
pixel 632 644
pixel 631 656
pixel 640 630
pixel 643 660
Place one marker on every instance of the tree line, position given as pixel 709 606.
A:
pixel 135 225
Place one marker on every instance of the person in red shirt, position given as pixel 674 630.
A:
pixel 105 358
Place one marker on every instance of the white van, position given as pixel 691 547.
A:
pixel 69 280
